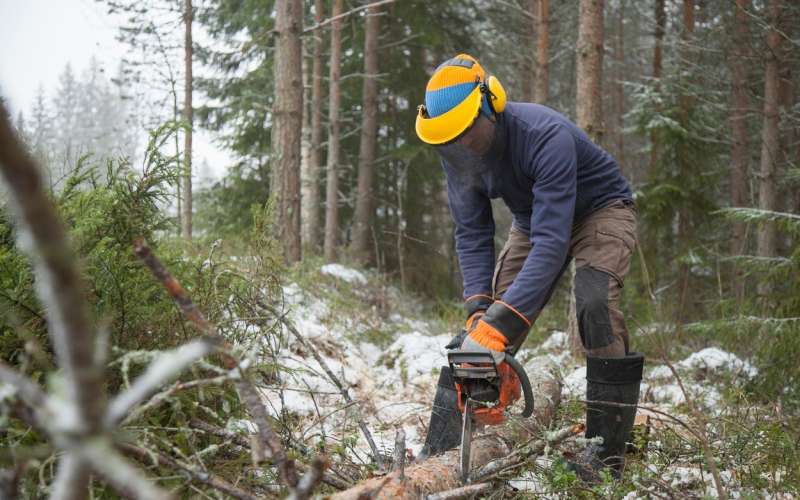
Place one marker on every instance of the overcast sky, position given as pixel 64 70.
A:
pixel 39 37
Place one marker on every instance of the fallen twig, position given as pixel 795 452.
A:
pixel 205 477
pixel 464 492
pixel 521 456
pixel 338 383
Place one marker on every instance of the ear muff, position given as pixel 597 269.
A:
pixel 495 94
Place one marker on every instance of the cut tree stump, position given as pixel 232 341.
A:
pixel 440 473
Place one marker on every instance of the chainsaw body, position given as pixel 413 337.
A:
pixel 485 391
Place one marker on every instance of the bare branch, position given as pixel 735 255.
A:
pixel 59 285
pixel 400 453
pixel 247 392
pixel 172 390
pixel 168 365
pixel 345 14
pixel 342 389
pixel 72 478
pixel 205 477
pixel 468 491
pixel 126 479
pixel 29 392
pixel 310 479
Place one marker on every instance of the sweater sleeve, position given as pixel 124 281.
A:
pixel 553 164
pixel 471 210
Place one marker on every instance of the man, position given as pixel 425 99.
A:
pixel 569 200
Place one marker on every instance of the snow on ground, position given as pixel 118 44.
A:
pixel 347 274
pixel 394 383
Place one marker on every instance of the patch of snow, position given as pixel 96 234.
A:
pixel 659 372
pixel 575 384
pixel 557 340
pixel 420 354
pixel 715 359
pixel 347 274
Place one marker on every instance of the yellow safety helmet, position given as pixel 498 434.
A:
pixel 456 93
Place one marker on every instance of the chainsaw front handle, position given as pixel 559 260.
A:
pixel 525 383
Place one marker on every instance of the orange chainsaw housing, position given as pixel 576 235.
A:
pixel 510 391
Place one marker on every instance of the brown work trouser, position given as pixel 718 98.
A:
pixel 602 245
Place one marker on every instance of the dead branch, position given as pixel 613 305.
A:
pixel 247 392
pixel 468 491
pixel 166 367
pixel 205 477
pixel 60 288
pixel 399 453
pixel 310 479
pixel 333 378
pixel 522 455
pixel 346 14
pixel 440 473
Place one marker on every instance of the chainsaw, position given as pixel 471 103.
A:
pixel 485 391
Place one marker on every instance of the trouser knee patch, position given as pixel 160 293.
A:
pixel 591 304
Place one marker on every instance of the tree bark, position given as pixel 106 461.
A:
pixel 362 245
pixel 685 104
pixel 287 114
pixel 661 25
pixel 588 111
pixel 590 69
pixel 740 147
pixel 188 116
pixel 332 188
pixel 541 93
pixel 440 473
pixel 311 200
pixel 619 87
pixel 770 137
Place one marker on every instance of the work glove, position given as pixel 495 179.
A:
pixel 495 330
pixel 476 307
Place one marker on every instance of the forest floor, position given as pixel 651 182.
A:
pixel 380 343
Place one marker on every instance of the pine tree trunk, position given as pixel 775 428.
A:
pixel 740 148
pixel 188 116
pixel 661 26
pixel 619 87
pixel 311 198
pixel 541 92
pixel 588 110
pixel 362 248
pixel 287 114
pixel 685 103
pixel 528 77
pixel 770 137
pixel 590 69
pixel 332 188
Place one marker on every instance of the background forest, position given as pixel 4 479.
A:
pixel 329 202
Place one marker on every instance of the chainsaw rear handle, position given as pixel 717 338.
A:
pixel 524 381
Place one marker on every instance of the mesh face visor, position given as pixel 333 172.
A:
pixel 462 159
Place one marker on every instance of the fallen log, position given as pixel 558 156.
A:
pixel 440 473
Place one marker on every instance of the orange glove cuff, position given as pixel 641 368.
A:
pixel 488 336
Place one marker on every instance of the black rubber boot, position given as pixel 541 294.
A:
pixel 444 429
pixel 616 381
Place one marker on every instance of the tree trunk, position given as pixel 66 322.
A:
pixel 528 77
pixel 685 103
pixel 740 147
pixel 590 69
pixel 619 87
pixel 188 116
pixel 588 110
pixel 661 25
pixel 332 188
pixel 287 124
pixel 362 247
pixel 770 137
pixel 311 200
pixel 440 473
pixel 541 92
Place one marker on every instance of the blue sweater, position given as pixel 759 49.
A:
pixel 551 176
